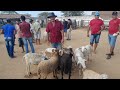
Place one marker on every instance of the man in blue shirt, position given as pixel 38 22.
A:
pixel 65 23
pixel 9 31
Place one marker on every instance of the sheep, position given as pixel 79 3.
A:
pixel 90 74
pixel 32 59
pixel 47 66
pixel 66 61
pixel 87 50
pixel 80 60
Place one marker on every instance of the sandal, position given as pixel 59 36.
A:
pixel 109 56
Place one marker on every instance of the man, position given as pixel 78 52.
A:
pixel 96 26
pixel 32 29
pixel 69 29
pixel 114 29
pixel 9 31
pixel 19 35
pixel 26 34
pixel 55 32
pixel 37 33
pixel 65 27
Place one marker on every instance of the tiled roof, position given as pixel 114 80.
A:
pixel 12 16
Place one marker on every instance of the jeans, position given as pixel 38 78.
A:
pixel 56 45
pixel 94 38
pixel 10 46
pixel 25 41
pixel 65 29
pixel 112 40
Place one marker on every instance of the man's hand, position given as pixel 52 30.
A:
pixel 48 43
pixel 87 35
pixel 62 41
pixel 98 32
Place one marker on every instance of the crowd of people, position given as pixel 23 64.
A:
pixel 56 31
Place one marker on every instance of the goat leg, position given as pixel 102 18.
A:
pixel 69 75
pixel 62 74
pixel 53 73
pixel 38 73
pixel 56 73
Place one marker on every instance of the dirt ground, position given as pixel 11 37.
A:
pixel 15 68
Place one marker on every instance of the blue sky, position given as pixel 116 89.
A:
pixel 35 13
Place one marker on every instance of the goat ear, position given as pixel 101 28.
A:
pixel 63 48
pixel 61 52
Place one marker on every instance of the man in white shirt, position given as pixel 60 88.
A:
pixel 37 33
pixel 32 28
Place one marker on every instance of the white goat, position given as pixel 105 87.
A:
pixel 79 58
pixel 90 74
pixel 87 50
pixel 32 59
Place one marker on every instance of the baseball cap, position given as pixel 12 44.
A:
pixel 97 13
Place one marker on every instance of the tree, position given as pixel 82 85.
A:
pixel 9 12
pixel 43 15
pixel 72 13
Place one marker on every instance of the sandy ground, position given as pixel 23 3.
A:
pixel 15 68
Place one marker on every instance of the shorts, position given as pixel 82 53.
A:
pixel 20 42
pixel 65 29
pixel 112 40
pixel 56 45
pixel 94 38
pixel 37 35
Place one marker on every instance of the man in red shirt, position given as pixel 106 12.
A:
pixel 26 34
pixel 114 29
pixel 55 32
pixel 96 26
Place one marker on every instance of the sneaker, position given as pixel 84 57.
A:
pixel 13 56
pixel 110 54
pixel 108 57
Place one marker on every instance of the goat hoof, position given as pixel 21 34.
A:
pixel 53 76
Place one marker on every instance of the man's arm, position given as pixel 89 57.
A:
pixel 48 34
pixel 62 32
pixel 1 31
pixel 119 30
pixel 88 31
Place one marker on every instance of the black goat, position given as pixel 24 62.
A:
pixel 66 61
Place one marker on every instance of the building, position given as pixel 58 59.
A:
pixel 13 17
pixel 82 21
